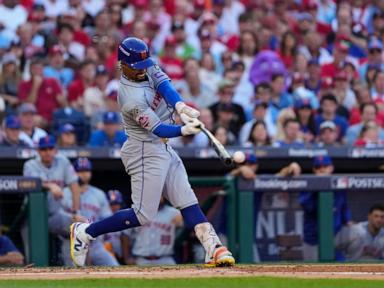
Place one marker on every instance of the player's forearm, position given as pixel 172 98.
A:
pixel 167 131
pixel 169 93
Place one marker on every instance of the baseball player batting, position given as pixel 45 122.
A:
pixel 147 101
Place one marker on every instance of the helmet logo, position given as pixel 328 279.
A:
pixel 143 55
pixel 124 51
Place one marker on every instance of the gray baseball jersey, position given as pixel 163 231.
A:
pixel 157 237
pixel 359 244
pixel 61 172
pixel 154 166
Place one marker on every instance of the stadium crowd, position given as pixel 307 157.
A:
pixel 262 72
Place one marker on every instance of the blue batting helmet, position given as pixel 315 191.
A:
pixel 135 53
pixel 115 197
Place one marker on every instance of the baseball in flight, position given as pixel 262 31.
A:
pixel 238 157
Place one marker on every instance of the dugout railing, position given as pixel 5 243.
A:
pixel 36 214
pixel 325 186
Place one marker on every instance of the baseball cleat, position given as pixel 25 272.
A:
pixel 222 257
pixel 79 243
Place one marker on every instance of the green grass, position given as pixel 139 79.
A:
pixel 244 282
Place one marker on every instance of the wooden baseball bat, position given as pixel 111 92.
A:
pixel 223 154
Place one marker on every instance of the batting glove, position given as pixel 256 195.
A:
pixel 182 108
pixel 191 128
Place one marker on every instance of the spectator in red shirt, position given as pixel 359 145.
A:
pixel 172 64
pixel 370 136
pixel 288 49
pixel 43 92
pixel 340 53
pixel 76 88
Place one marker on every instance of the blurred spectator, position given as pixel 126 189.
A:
pixel 224 136
pixel 369 136
pixel 300 92
pixel 280 97
pixel 343 92
pixel 322 166
pixel 67 136
pixel 229 114
pixel 312 48
pixel 291 128
pixel 194 90
pixel 375 58
pixel 248 48
pixel 54 8
pixel 305 116
pixel 55 172
pixel 206 118
pixel 74 51
pixel 328 135
pixel 365 240
pixel 377 90
pixel 313 81
pixel 258 135
pixel 260 113
pixel 12 15
pixel 208 76
pixel 94 206
pixel 329 106
pixel 94 96
pixel 45 93
pixel 283 116
pixel 9 82
pixel 111 105
pixel 169 61
pixel 109 135
pixel 56 68
pixel 288 49
pixel 30 133
pixel 152 244
pixel 368 113
pixel 12 127
pixel 87 73
pixel 9 254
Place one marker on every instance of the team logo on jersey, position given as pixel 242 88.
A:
pixel 143 120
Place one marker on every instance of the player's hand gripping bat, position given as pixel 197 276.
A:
pixel 225 157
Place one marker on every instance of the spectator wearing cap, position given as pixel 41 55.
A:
pixel 30 133
pixel 45 93
pixel 12 127
pixel 340 55
pixel 375 57
pixel 10 78
pixel 56 68
pixel 12 15
pixel 329 107
pixel 87 71
pixel 291 137
pixel 55 172
pixel 67 136
pixel 328 135
pixel 235 113
pixel 169 61
pixel 260 113
pixel 110 135
pixel 95 96
pixel 322 166
pixel 305 115
pixel 94 206
pixel 368 112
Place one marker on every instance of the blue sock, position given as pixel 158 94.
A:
pixel 193 215
pixel 119 221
